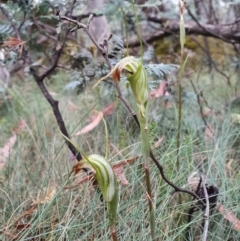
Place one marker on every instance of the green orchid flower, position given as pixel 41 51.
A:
pixel 137 77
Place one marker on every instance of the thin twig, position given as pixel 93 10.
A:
pixel 199 103
pixel 204 29
pixel 212 62
pixel 54 103
pixel 103 50
pixel 232 23
pixel 176 188
pixel 207 210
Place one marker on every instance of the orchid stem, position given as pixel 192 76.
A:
pixel 114 232
pixel 146 154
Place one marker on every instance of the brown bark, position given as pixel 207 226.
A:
pixel 171 27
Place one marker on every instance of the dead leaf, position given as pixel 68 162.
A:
pixel 45 195
pixel 71 156
pixel 207 111
pixel 201 99
pixel 21 226
pixel 79 166
pixel 92 125
pixel 26 213
pixel 158 143
pixel 167 104
pixel 80 179
pixel 118 167
pixel 83 180
pixel 120 174
pixel 19 127
pixel 108 110
pixel 229 164
pixel 160 90
pixel 208 133
pixel 58 47
pixel 12 42
pixel 229 216
pixel 6 150
pixel 95 118
pixel 125 162
pixel 72 106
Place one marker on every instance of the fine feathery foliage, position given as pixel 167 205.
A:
pixel 160 70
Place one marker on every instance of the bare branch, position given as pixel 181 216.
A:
pixel 89 21
pixel 171 27
pixel 176 188
pixel 199 102
pixel 56 111
pixel 40 82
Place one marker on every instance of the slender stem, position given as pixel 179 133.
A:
pixel 182 42
pixel 146 154
pixel 126 29
pixel 206 214
pixel 179 118
pixel 150 202
pixel 114 232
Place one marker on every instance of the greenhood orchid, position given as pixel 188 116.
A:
pixel 137 78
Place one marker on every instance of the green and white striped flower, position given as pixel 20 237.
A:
pixel 104 174
pixel 107 182
pixel 106 178
pixel 137 78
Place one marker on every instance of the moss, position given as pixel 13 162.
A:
pixel 190 44
pixel 168 51
pixel 163 46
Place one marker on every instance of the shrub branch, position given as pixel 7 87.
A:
pixel 54 103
